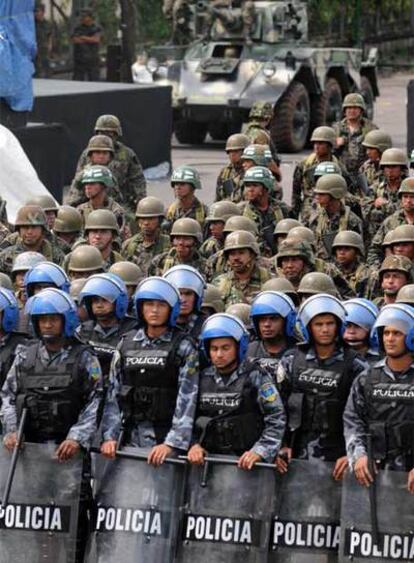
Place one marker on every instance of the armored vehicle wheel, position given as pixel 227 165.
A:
pixel 326 108
pixel 218 131
pixel 190 132
pixel 290 125
pixel 366 91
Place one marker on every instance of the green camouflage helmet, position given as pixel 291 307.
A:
pixel 285 225
pixel 327 168
pixel 222 210
pixel 186 175
pixel 76 287
pixel 317 282
pixel 324 134
pixel 387 240
pixel 259 154
pixel 5 281
pixel 240 223
pixel 349 239
pixel 237 142
pixel 150 206
pixel 97 174
pixel 402 233
pixel 354 100
pixel 68 220
pixel 259 175
pixel 293 248
pixel 46 202
pixel 242 312
pixel 395 263
pixel 332 184
pixel 394 157
pixel 301 233
pixel 261 110
pixel 187 227
pixel 241 239
pixel 101 219
pixel 377 139
pixel 108 123
pixel 100 143
pixel 406 294
pixel 407 187
pixel 212 299
pixel 85 258
pixel 129 272
pixel 29 215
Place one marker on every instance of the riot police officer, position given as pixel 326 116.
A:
pixel 45 274
pixel 361 315
pixel 251 422
pixel 9 338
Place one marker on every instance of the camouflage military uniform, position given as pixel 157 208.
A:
pixel 163 262
pixel 253 129
pixel 197 211
pixel 12 239
pixel 136 250
pixel 375 252
pixel 210 246
pixel 372 171
pixel 352 155
pixel 127 171
pixel 217 264
pixel 266 222
pixel 86 208
pixel 8 255
pixel 230 177
pixel 235 291
pixel 374 216
pixel 358 279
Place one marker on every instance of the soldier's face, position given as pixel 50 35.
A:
pixel 31 235
pixel 404 249
pixel 292 267
pixel 345 255
pixel 183 190
pixel 394 342
pixel 73 275
pixel 407 202
pixel 321 149
pixel 240 259
pixel 247 164
pixel 101 238
pixel 373 154
pixel 253 192
pixel 353 113
pixel 148 225
pixel 187 301
pixel 392 172
pixel 50 326
pixel 102 308
pixel 323 200
pixel 216 229
pixel 92 190
pixel 355 335
pixel 51 218
pixel 271 326
pixel 223 354
pixel 392 282
pixel 184 246
pixel 100 157
pixel 323 329
pixel 234 156
pixel 155 313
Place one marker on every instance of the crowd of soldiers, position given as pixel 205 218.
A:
pixel 249 327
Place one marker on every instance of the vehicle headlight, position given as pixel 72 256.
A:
pixel 269 70
pixel 152 65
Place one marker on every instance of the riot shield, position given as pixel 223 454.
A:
pixel 39 523
pixel 227 513
pixel 137 508
pixel 306 514
pixel 395 513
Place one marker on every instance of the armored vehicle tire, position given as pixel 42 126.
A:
pixel 327 109
pixel 368 94
pixel 218 131
pixel 190 132
pixel 290 125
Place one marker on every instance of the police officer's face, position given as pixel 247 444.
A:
pixel 19 280
pixel 353 113
pixel 323 329
pixel 234 156
pixel 404 249
pixel 223 354
pixel 50 325
pixel 92 190
pixel 101 238
pixel 155 313
pixel 407 202
pixel 354 334
pixel 102 308
pixel 253 192
pixel 345 255
pixel 392 282
pixel 240 259
pixel 321 149
pixel 31 235
pixel 184 246
pixel 148 225
pixel 187 301
pixel 373 154
pixel 271 326
pixel 183 190
pixel 394 342
pixel 100 157
pixel 392 173
pixel 292 267
pixel 216 229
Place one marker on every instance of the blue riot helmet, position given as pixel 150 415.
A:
pixel 274 303
pixel 361 312
pixel 47 273
pixel 158 289
pixel 400 317
pixel 187 277
pixel 10 310
pixel 223 325
pixel 107 286
pixel 52 301
pixel 319 304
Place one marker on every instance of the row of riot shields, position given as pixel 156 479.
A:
pixel 215 513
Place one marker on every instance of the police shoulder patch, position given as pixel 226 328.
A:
pixel 95 373
pixel 268 392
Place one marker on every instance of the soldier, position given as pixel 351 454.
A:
pixel 86 38
pixel 261 207
pixel 378 404
pixel 22 264
pixel 245 278
pixel 274 317
pixel 76 287
pixel 260 116
pixel 131 275
pixel 228 180
pixel 212 301
pixel 185 180
pixel 68 226
pixel 252 425
pixel 261 155
pixel 85 261
pixel 178 13
pixel 158 394
pixel 350 133
pixel 101 230
pixel 317 379
pixel 125 165
pixel 315 283
pixel 190 285
pixel 186 237
pixel 49 206
pixel 348 250
pixel 301 233
pixel 31 225
pixel 395 272
pixel 43 42
pixel 402 241
pixel 375 142
pixel 58 380
pixel 217 216
pixel 242 312
pixel 282 285
pixel 361 315
pixel 282 230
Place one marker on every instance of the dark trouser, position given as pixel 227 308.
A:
pixel 86 71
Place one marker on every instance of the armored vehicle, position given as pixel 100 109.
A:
pixel 219 75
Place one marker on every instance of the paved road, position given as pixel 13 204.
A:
pixel 390 114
